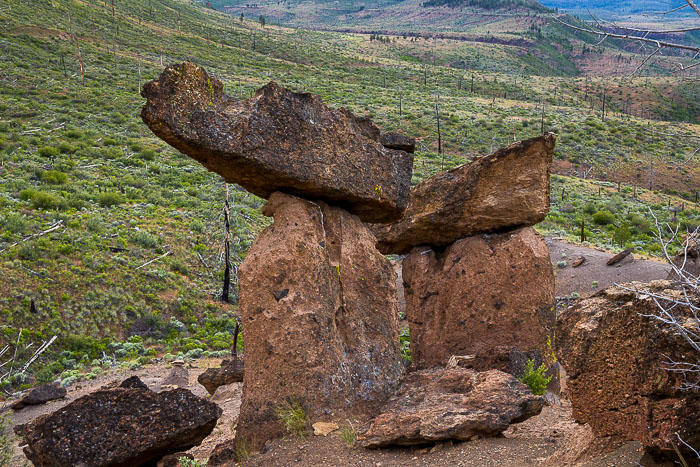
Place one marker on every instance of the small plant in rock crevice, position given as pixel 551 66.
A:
pixel 348 434
pixel 294 419
pixel 535 379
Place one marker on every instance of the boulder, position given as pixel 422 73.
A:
pixel 230 371
pixel 505 190
pixel 451 404
pixel 179 375
pixel 40 395
pixel 279 140
pixel 481 296
pixel 319 313
pixel 616 363
pixel 119 427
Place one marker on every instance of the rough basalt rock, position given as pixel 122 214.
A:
pixel 319 313
pixel 230 371
pixel 280 140
pixel 456 403
pixel 40 395
pixel 481 295
pixel 615 357
pixel 119 427
pixel 505 190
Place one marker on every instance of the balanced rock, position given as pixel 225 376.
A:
pixel 505 190
pixel 482 295
pixel 119 427
pixel 319 314
pixel 616 360
pixel 451 404
pixel 40 395
pixel 230 371
pixel 179 376
pixel 280 140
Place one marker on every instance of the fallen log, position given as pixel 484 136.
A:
pixel 620 256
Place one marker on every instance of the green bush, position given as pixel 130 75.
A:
pixel 535 379
pixel 603 217
pixel 54 177
pixel 110 198
pixel 144 239
pixel 622 236
pixel 46 201
pixel 48 151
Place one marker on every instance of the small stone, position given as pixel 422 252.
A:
pixel 324 428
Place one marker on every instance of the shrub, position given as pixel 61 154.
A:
pixel 54 177
pixel 144 239
pixel 535 379
pixel 622 235
pixel 110 198
pixel 48 151
pixel 294 419
pixel 348 434
pixel 603 217
pixel 46 201
pixel 6 441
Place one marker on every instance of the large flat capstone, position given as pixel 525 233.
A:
pixel 503 191
pixel 281 140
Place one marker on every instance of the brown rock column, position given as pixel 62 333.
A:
pixel 319 310
pixel 481 296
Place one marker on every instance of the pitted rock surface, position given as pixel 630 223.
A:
pixel 451 404
pixel 319 315
pixel 280 140
pixel 503 191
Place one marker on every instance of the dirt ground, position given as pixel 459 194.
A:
pixel 549 439
pixel 581 279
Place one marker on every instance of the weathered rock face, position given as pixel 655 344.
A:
pixel 505 190
pixel 280 140
pixel 319 314
pixel 614 359
pixel 457 403
pixel 40 395
pixel 230 371
pixel 119 427
pixel 481 294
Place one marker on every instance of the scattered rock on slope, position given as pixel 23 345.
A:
pixel 40 395
pixel 119 427
pixel 319 313
pixel 230 371
pixel 457 403
pixel 280 140
pixel 505 190
pixel 615 362
pixel 482 294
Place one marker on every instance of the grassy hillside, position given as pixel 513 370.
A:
pixel 116 237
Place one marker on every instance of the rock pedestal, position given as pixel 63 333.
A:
pixel 482 296
pixel 616 360
pixel 281 140
pixel 319 315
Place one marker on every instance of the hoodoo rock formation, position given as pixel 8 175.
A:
pixel 483 293
pixel 320 321
pixel 122 426
pixel 616 359
pixel 457 403
pixel 281 140
pixel 503 191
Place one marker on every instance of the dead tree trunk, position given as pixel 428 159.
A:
pixel 227 258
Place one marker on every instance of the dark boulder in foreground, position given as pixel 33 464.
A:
pixel 505 190
pixel 40 395
pixel 456 403
pixel 320 322
pixel 617 359
pixel 230 371
pixel 280 140
pixel 119 427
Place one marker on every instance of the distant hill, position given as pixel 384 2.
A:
pixel 488 4
pixel 617 8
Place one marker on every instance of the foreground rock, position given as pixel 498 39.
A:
pixel 615 362
pixel 457 403
pixel 505 190
pixel 230 371
pixel 482 296
pixel 280 140
pixel 119 427
pixel 319 313
pixel 40 395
